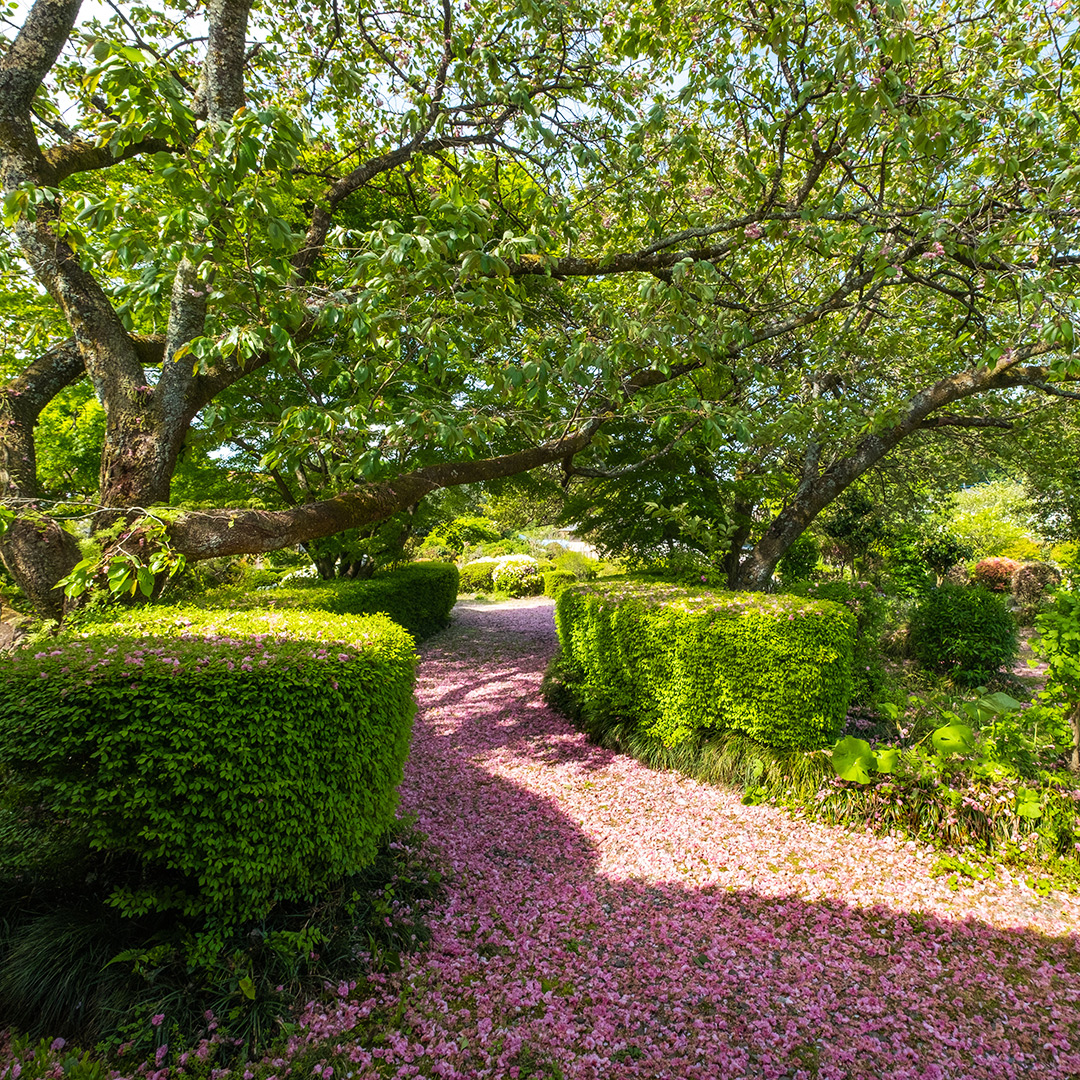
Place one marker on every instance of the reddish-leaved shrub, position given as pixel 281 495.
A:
pixel 994 574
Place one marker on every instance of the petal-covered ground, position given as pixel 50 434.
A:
pixel 606 920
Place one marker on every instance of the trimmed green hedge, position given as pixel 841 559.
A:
pixel 867 662
pixel 679 662
pixel 418 596
pixel 557 580
pixel 476 576
pixel 221 760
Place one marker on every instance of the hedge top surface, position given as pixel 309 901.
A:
pixel 683 598
pixel 195 641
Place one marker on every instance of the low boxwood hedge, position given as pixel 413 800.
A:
pixel 418 596
pixel 679 662
pixel 220 760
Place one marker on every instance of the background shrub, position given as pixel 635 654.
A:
pixel 418 596
pixel 800 560
pixel 994 574
pixel 1029 585
pixel 517 575
pixel 963 632
pixel 577 564
pixel 557 580
pixel 475 576
pixel 869 609
pixel 680 662
pixel 220 760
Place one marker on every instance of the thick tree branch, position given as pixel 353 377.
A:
pixel 33 52
pixel 942 420
pixel 204 535
pixel 80 156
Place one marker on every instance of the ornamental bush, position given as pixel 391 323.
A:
pixel 517 575
pixel 679 662
pixel 557 580
pixel 418 596
pixel 222 760
pixel 994 574
pixel 1029 585
pixel 867 663
pixel 475 576
pixel 963 632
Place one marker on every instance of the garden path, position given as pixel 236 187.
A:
pixel 604 920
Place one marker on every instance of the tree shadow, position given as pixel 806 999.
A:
pixel 576 942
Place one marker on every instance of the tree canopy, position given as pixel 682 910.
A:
pixel 390 251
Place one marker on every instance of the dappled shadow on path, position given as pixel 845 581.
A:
pixel 606 920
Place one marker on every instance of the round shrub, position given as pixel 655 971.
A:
pixel 963 632
pixel 517 575
pixel 233 758
pixel 958 574
pixel 476 576
pixel 1029 584
pixel 994 574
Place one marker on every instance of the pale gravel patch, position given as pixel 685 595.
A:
pixel 618 921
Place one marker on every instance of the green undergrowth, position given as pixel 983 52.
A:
pixel 72 966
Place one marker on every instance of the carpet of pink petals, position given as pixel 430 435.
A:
pixel 606 920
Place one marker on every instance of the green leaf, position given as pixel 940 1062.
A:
pixel 146 581
pixel 953 739
pixel 887 760
pixel 852 759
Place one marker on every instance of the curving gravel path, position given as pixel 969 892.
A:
pixel 606 920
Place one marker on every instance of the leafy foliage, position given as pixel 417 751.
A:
pixel 867 663
pixel 678 662
pixel 943 551
pixel 461 533
pixel 800 560
pixel 1059 643
pixel 995 574
pixel 963 632
pixel 229 759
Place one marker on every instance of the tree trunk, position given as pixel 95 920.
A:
pixel 38 553
pixel 1074 719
